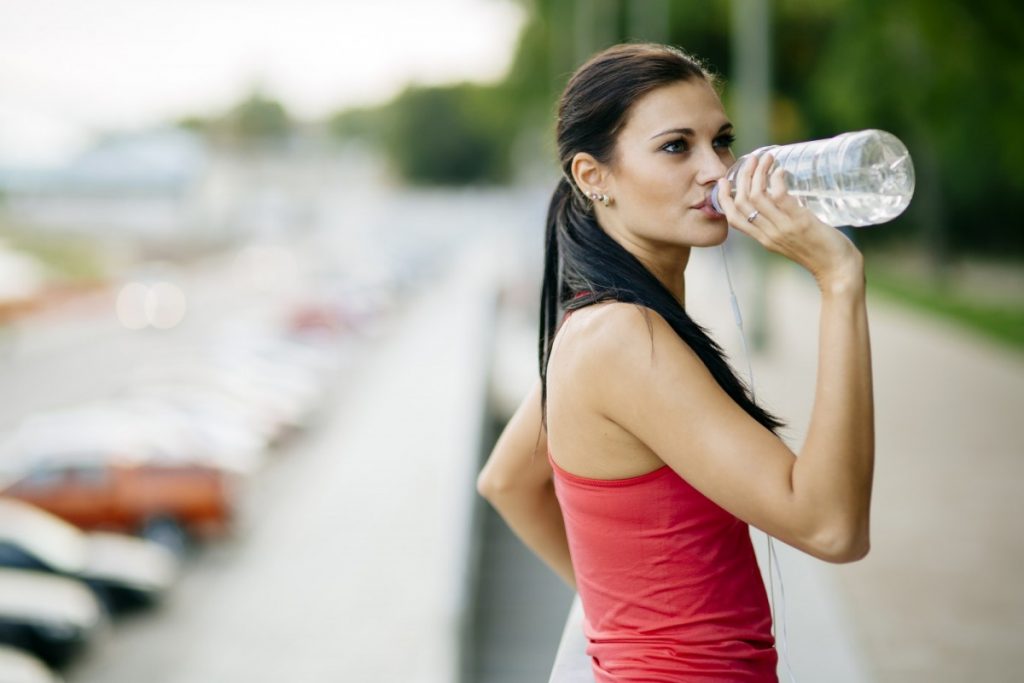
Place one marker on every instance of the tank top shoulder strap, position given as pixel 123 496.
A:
pixel 578 295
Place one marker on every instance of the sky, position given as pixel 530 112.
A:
pixel 70 69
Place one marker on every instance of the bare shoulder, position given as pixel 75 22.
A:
pixel 614 368
pixel 617 358
pixel 615 336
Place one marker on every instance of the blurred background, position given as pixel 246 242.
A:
pixel 269 275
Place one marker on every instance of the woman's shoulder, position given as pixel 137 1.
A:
pixel 608 320
pixel 605 335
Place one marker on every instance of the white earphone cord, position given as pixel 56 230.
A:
pixel 773 560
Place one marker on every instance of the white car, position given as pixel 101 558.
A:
pixel 18 666
pixel 123 571
pixel 52 617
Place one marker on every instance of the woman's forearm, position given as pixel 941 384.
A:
pixel 833 474
pixel 535 517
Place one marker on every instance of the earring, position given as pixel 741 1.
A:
pixel 603 198
pixel 606 200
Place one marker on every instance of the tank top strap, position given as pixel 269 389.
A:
pixel 577 295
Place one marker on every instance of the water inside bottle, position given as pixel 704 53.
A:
pixel 856 209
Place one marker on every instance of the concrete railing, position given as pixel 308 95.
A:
pixel 572 665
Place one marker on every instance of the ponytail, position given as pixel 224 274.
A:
pixel 561 200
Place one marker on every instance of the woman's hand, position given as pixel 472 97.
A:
pixel 781 225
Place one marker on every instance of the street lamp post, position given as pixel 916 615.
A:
pixel 751 110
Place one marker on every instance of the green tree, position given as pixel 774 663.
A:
pixel 256 120
pixel 946 77
pixel 449 135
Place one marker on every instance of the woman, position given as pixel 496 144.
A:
pixel 635 465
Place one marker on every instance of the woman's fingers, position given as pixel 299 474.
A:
pixel 736 216
pixel 777 184
pixel 759 178
pixel 779 191
pixel 764 210
pixel 743 180
pixel 752 184
pixel 760 197
pixel 762 207
pixel 751 200
pixel 741 202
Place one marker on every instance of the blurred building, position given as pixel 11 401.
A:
pixel 167 187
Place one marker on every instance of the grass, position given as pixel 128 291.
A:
pixel 993 314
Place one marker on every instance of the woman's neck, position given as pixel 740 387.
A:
pixel 670 269
pixel 666 262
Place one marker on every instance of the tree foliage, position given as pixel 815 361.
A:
pixel 946 77
pixel 450 135
pixel 258 120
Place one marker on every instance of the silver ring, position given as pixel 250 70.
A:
pixel 754 214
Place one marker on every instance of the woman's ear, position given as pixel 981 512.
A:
pixel 589 173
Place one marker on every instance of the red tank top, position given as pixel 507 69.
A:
pixel 668 580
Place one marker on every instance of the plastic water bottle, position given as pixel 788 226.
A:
pixel 861 178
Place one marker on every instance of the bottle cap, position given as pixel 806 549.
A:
pixel 714 199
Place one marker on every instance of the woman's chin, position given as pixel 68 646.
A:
pixel 712 235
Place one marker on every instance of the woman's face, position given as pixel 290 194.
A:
pixel 673 147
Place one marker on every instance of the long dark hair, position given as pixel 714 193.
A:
pixel 582 263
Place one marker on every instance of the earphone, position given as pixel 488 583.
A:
pixel 773 560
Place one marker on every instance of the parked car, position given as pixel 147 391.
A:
pixel 209 405
pixel 52 617
pixel 18 666
pixel 123 571
pixel 105 425
pixel 214 439
pixel 277 405
pixel 145 426
pixel 101 490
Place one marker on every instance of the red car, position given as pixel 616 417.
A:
pixel 167 502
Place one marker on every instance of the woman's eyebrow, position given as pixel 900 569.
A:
pixel 689 131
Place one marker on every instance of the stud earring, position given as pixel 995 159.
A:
pixel 603 198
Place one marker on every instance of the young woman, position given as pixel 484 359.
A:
pixel 637 462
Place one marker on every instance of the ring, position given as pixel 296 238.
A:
pixel 754 214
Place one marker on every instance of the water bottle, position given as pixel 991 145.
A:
pixel 861 178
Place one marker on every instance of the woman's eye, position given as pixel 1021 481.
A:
pixel 724 141
pixel 675 147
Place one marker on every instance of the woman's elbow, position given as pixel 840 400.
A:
pixel 493 485
pixel 842 546
pixel 500 486
pixel 852 551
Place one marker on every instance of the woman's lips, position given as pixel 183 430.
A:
pixel 708 209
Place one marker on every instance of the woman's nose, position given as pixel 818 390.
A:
pixel 712 167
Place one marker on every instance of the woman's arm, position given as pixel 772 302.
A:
pixel 517 481
pixel 842 419
pixel 841 436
